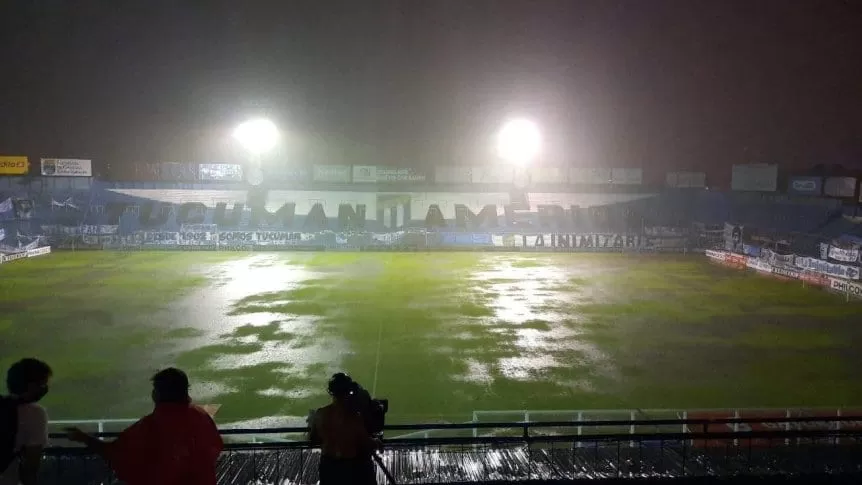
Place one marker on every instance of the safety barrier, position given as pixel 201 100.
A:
pixel 531 451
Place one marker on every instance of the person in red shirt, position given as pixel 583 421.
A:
pixel 177 444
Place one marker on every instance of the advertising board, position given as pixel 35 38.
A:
pixel 228 172
pixel 626 176
pixel 547 175
pixel 364 174
pixel 14 165
pixel 805 185
pixel 840 186
pixel 332 173
pixel 756 177
pixel 589 176
pixel 716 255
pixel 758 264
pixel 785 272
pixel 66 167
pixel 399 175
pixel 492 175
pixel 686 180
pixel 453 175
pixel 844 286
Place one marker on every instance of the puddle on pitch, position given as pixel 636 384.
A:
pixel 523 296
pixel 303 350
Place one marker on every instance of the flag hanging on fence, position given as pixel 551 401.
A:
pixel 2 234
pixel 6 205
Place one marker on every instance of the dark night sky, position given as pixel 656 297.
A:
pixel 681 84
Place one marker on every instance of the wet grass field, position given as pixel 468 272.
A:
pixel 440 334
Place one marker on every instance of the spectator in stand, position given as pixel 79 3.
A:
pixel 178 444
pixel 23 423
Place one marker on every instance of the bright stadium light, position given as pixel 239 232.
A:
pixel 257 136
pixel 519 141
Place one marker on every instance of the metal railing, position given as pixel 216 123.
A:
pixel 520 451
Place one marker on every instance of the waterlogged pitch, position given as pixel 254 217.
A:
pixel 440 334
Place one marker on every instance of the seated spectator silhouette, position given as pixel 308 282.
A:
pixel 23 423
pixel 177 444
pixel 346 445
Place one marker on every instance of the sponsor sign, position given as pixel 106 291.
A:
pixel 589 176
pixel 364 174
pixel 763 426
pixel 716 255
pixel 686 180
pixel 626 176
pixel 814 278
pixel 785 272
pixel 466 239
pixel 574 241
pixel 220 171
pixel 737 261
pixel 547 175
pixel 13 165
pixel 399 175
pixel 845 255
pixel 840 186
pixel 13 256
pixel 453 175
pixel 332 173
pixel 492 175
pixel 67 167
pixel 177 171
pixel 758 264
pixel 852 289
pixel 38 251
pixel 757 177
pixel 805 186
pixel 827 268
pixel 283 173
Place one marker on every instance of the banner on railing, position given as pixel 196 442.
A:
pixel 714 255
pixel 827 268
pixel 750 250
pixel 733 237
pixel 758 264
pixel 778 259
pixel 838 254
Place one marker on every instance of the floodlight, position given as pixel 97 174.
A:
pixel 257 136
pixel 519 141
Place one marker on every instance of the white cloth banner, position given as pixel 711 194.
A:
pixel 2 234
pixel 846 255
pixel 6 205
pixel 827 268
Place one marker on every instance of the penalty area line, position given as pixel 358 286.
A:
pixel 377 359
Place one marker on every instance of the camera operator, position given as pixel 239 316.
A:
pixel 347 446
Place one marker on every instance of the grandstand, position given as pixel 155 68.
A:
pixel 813 240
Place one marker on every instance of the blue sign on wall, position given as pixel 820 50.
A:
pixel 805 185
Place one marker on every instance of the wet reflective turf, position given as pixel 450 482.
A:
pixel 440 334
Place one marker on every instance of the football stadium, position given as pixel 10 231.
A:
pixel 466 294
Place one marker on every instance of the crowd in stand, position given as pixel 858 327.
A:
pixel 177 444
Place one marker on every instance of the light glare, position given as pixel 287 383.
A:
pixel 519 141
pixel 257 136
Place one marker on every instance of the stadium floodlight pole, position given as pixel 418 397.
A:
pixel 519 141
pixel 258 136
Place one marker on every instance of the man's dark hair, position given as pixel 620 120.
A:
pixel 172 385
pixel 341 386
pixel 25 372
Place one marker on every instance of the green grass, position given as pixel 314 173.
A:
pixel 439 334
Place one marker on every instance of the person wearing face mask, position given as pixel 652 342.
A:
pixel 23 422
pixel 177 444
